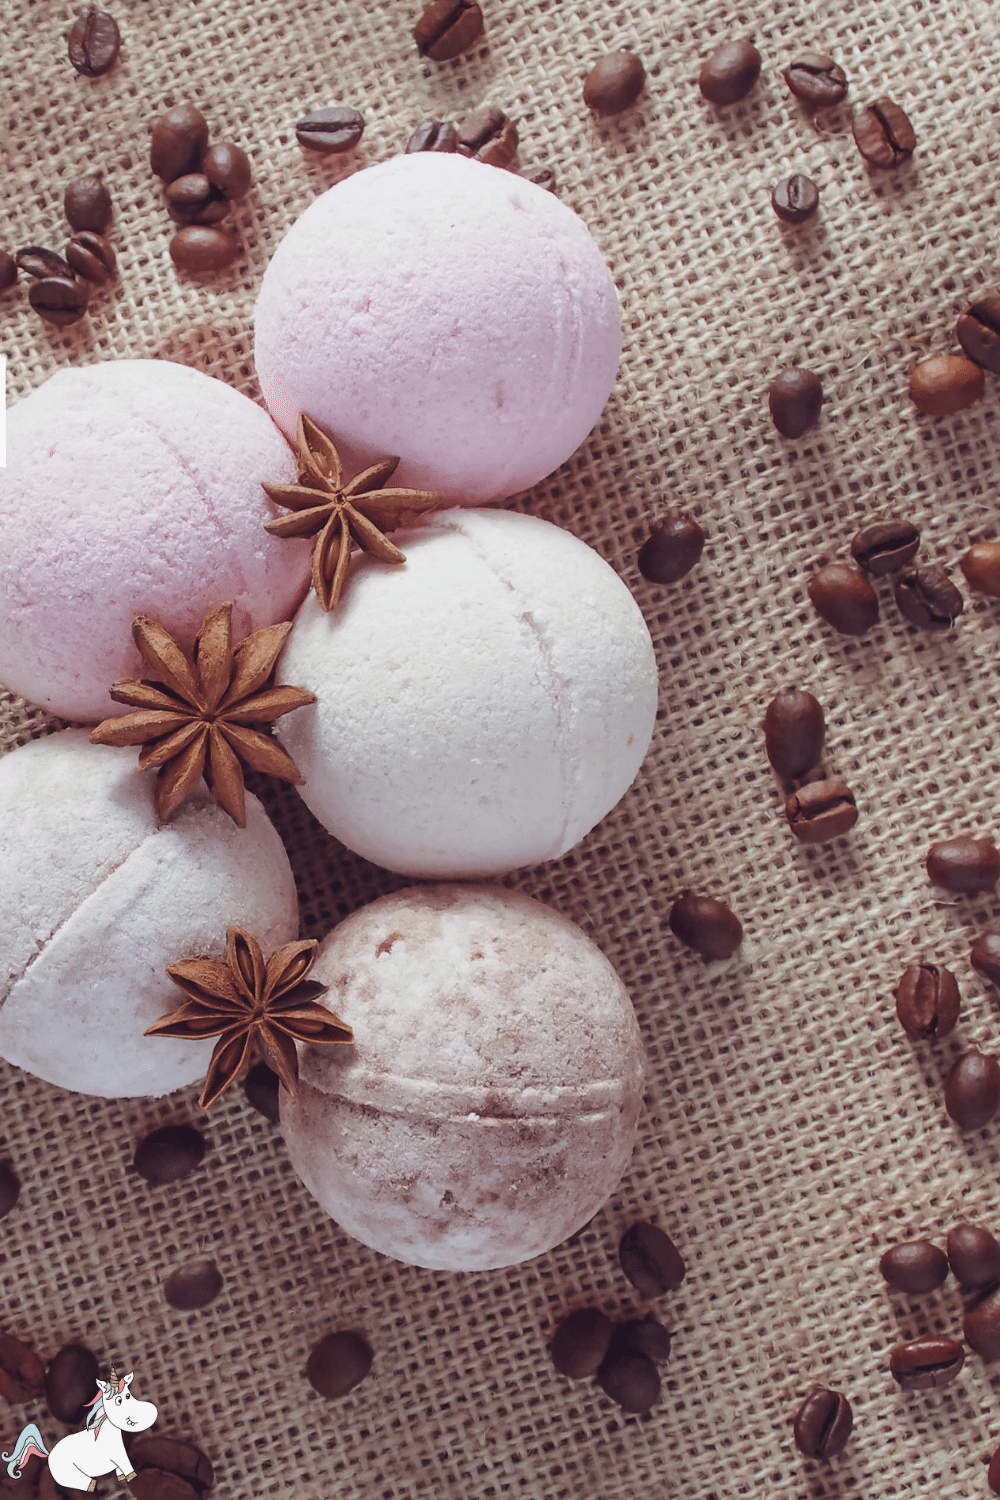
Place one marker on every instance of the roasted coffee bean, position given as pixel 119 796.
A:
pixel 794 399
pixel 87 204
pixel 160 1484
pixel 193 1285
pixel 926 1363
pixel 981 1325
pixel 179 140
pixel 212 212
pixel 794 728
pixel 228 170
pixel 927 1002
pixel 9 1189
pixel 487 135
pixel 94 42
pixel 8 271
pixel 650 1260
pixel 704 924
pixel 176 1457
pixel 672 548
pixel 331 130
pixel 200 247
pixel 338 1363
pixel 964 865
pixel 917 1267
pixel 981 567
pixel 882 547
pixel 614 83
pixel 974 1256
pixel 844 598
pixel 883 134
pixel 168 1154
pixel 972 1090
pixel 631 1380
pixel 795 199
pixel 822 1423
pixel 448 27
pixel 433 135
pixel 928 598
pixel 59 299
pixel 643 1336
pixel 542 177
pixel 22 1374
pixel 816 79
pixel 821 811
pixel 978 332
pixel 946 384
pixel 985 956
pixel 70 1381
pixel 730 73
pixel 91 256
pixel 192 199
pixel 261 1089
pixel 38 262
pixel 581 1342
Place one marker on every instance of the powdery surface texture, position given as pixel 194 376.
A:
pixel 133 487
pixel 96 901
pixel 444 312
pixel 489 1103
pixel 480 707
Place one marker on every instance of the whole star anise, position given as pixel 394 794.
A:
pixel 338 514
pixel 258 1011
pixel 196 709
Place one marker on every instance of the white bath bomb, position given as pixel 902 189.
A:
pixel 447 313
pixel 96 901
pixel 489 1104
pixel 480 706
pixel 133 487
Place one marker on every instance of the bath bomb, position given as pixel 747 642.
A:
pixel 133 487
pixel 446 313
pixel 96 900
pixel 480 706
pixel 489 1104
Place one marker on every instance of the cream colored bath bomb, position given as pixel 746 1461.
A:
pixel 480 707
pixel 133 487
pixel 489 1104
pixel 96 901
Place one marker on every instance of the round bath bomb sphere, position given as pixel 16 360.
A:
pixel 96 900
pixel 447 313
pixel 133 487
pixel 480 706
pixel 489 1104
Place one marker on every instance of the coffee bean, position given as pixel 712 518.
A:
pixel 882 547
pixel 91 256
pixel 192 199
pixel 179 140
pixel 87 204
pixel 981 1325
pixel 487 135
pixel 794 729
pixel 704 924
pixel 981 567
pixel 917 1267
pixel 643 1336
pixel 338 1363
pixel 928 598
pixel 94 42
pixel 821 811
pixel 22 1374
pixel 160 1484
pixel 228 169
pixel 168 1154
pixel 844 599
pixel 631 1380
pixel 794 399
pixel 822 1423
pixel 70 1382
pixel 926 1363
pixel 261 1089
pixel 193 1285
pixel 946 384
pixel 199 247
pixel 883 134
pixel 176 1457
pixel 972 1090
pixel 212 212
pixel 650 1260
pixel 964 865
pixel 331 130
pixel 974 1256
pixel 614 83
pixel 730 73
pixel 978 332
pixel 9 1189
pixel 581 1342
pixel 448 27
pixel 672 548
pixel 816 79
pixel 927 1002
pixel 59 299
pixel 38 262
pixel 985 956
pixel 8 271
pixel 542 177
pixel 433 135
pixel 795 199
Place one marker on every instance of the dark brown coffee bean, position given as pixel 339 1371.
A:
pixel 614 83
pixel 981 1325
pixel 331 130
pixel 882 547
pixel 91 256
pixel 9 1189
pixel 964 865
pixel 94 43
pixel 168 1154
pixel 816 79
pixel 192 199
pixel 433 135
pixel 631 1380
pixel 542 177
pixel 917 1267
pixel 36 261
pixel 179 140
pixel 193 1285
pixel 228 170
pixel 160 1484
pixel 211 212
pixel 59 299
pixel 581 1342
pixel 978 332
pixel 487 135
pixel 175 1456
pixel 794 729
pixel 200 247
pixel 338 1363
pixel 672 548
pixel 730 73
pixel 926 1363
pixel 927 1002
pixel 844 598
pixel 795 199
pixel 794 399
pixel 643 1336
pixel 985 956
pixel 261 1089
pixel 650 1260
pixel 8 271
pixel 974 1256
pixel 928 598
pixel 704 924
pixel 823 1423
pixel 70 1382
pixel 448 27
pixel 946 384
pixel 87 204
pixel 981 567
pixel 972 1090
pixel 883 134
pixel 22 1374
pixel 821 811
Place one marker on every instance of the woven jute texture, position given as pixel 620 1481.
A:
pixel 791 1131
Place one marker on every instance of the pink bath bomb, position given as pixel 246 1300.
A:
pixel 444 312
pixel 489 1104
pixel 133 487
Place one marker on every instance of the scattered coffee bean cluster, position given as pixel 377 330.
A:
pixel 823 807
pixel 948 383
pixel 201 184
pixel 61 286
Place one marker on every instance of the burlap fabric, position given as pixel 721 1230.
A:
pixel 791 1131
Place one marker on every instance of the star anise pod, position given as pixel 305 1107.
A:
pixel 196 709
pixel 258 1011
pixel 337 514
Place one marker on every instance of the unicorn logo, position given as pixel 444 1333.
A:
pixel 79 1459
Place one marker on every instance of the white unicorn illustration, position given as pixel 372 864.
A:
pixel 79 1459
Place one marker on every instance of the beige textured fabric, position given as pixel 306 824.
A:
pixel 791 1131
